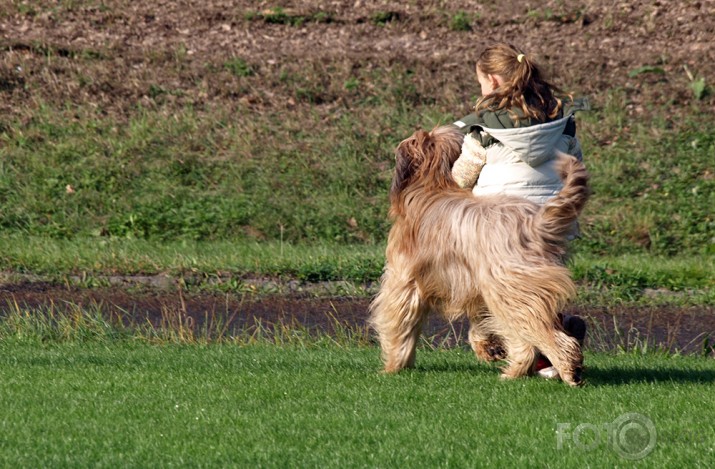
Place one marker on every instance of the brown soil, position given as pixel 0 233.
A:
pixel 114 54
pixel 111 56
pixel 673 328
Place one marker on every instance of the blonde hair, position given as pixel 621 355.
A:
pixel 524 86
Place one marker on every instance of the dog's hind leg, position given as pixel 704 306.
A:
pixel 565 354
pixel 527 333
pixel 524 304
pixel 398 313
pixel 521 356
pixel 510 320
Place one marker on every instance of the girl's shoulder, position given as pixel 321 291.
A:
pixel 500 118
pixel 511 118
pixel 514 117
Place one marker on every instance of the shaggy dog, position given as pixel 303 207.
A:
pixel 499 260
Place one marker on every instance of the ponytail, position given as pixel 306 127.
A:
pixel 524 87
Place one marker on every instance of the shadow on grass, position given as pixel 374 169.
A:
pixel 595 375
pixel 614 375
pixel 456 367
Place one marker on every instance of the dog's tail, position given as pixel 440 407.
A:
pixel 557 218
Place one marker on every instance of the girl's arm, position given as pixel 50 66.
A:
pixel 470 162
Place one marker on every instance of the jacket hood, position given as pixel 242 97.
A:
pixel 534 144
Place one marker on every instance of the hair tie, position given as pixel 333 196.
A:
pixel 519 58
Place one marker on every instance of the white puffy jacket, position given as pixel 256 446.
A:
pixel 523 163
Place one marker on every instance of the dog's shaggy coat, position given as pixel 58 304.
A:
pixel 497 259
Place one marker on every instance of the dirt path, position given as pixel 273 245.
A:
pixel 687 329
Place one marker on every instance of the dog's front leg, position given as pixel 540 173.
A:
pixel 486 345
pixel 398 312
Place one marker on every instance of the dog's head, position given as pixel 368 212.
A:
pixel 425 160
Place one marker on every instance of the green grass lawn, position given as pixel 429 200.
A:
pixel 225 265
pixel 130 404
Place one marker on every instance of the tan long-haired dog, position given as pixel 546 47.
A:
pixel 496 259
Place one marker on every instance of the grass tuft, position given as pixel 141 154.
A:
pixel 75 323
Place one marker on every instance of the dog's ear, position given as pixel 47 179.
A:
pixel 408 158
pixel 425 158
pixel 403 171
pixel 444 149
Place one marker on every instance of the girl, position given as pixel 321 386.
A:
pixel 512 140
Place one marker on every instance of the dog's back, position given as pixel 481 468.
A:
pixel 441 226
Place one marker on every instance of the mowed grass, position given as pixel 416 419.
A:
pixel 231 266
pixel 132 404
